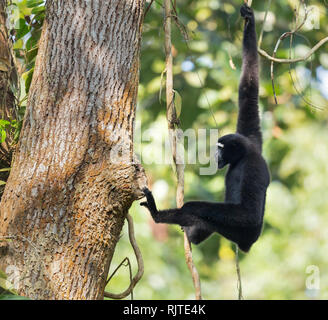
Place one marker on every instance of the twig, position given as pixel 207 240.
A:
pixel 127 260
pixel 300 59
pixel 264 20
pixel 281 38
pixel 140 271
pixel 169 65
pixel 273 58
pixel 184 32
pixel 292 78
pixel 171 116
pixel 177 21
pixel 149 6
pixel 239 285
pixel 201 82
pixel 231 63
pixel 290 60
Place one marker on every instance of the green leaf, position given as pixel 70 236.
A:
pixel 33 3
pixel 4 123
pixel 22 30
pixel 40 17
pixel 28 79
pixel 33 40
pixel 12 297
pixel 161 87
pixel 21 112
pixel 38 10
pixel 177 103
pixel 2 275
pixel 3 136
pixel 6 285
pixel 31 55
pixel 18 128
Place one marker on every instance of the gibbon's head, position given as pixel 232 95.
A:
pixel 231 149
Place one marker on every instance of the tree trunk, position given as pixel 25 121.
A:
pixel 74 177
pixel 8 81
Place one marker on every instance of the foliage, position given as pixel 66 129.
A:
pixel 27 34
pixel 207 70
pixel 25 19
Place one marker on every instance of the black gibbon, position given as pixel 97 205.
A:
pixel 240 217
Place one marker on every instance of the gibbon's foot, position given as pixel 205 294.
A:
pixel 246 12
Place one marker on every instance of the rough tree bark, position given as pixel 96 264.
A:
pixel 73 178
pixel 8 81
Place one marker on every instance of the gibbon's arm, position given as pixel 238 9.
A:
pixel 248 119
pixel 208 214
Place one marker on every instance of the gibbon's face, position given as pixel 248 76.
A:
pixel 219 155
pixel 230 149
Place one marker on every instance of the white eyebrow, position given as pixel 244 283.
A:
pixel 221 145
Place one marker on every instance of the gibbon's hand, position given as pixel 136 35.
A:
pixel 247 13
pixel 150 203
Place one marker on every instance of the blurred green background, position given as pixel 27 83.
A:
pixel 207 70
pixel 295 133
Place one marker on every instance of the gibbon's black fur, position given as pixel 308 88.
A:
pixel 240 217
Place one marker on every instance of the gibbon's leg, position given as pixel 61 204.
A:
pixel 196 234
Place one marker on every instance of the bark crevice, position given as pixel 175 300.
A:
pixel 74 177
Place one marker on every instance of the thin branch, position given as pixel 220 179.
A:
pixel 231 63
pixel 128 264
pixel 149 6
pixel 171 114
pixel 239 285
pixel 295 60
pixel 140 263
pixel 177 21
pixel 263 24
pixel 281 38
pixel 126 259
pixel 292 78
pixel 184 33
pixel 290 60
pixel 171 117
pixel 273 58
